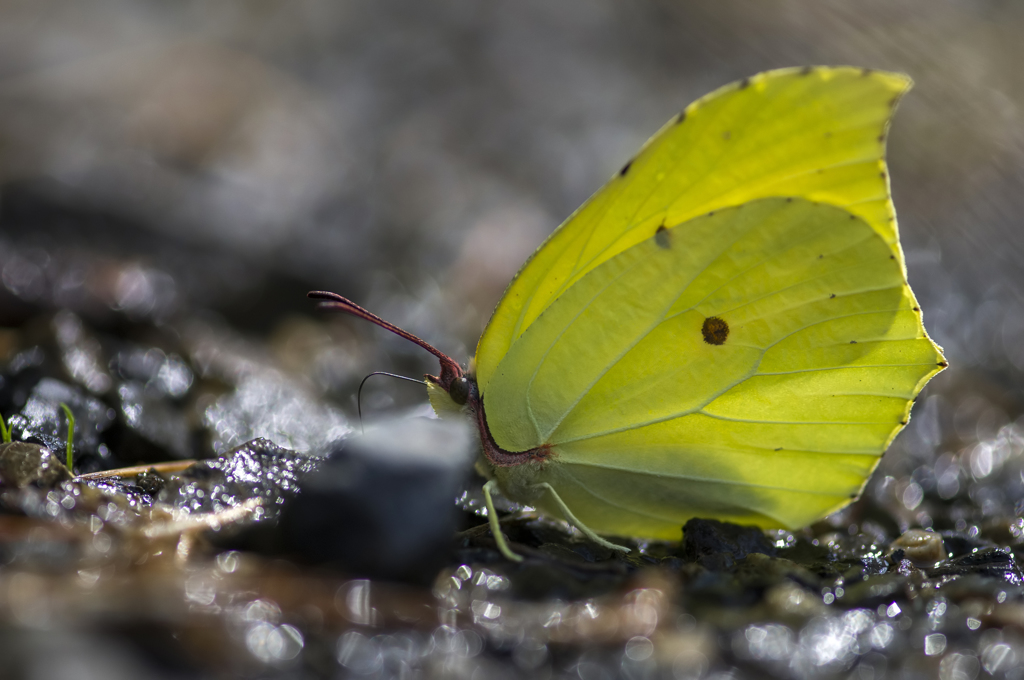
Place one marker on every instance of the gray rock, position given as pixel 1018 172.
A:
pixel 385 505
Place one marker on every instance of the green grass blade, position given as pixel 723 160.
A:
pixel 71 432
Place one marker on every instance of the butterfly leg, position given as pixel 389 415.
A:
pixel 571 519
pixel 492 519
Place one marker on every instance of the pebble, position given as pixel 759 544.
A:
pixel 24 463
pixel 922 547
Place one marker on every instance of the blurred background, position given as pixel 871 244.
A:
pixel 163 162
pixel 175 176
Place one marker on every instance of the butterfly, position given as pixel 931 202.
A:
pixel 724 330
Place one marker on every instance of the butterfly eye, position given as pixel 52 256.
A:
pixel 459 391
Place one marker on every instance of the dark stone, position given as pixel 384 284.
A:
pixel 719 545
pixel 990 562
pixel 150 482
pixel 24 463
pixel 384 505
pixel 958 544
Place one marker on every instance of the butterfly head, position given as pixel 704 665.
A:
pixel 453 391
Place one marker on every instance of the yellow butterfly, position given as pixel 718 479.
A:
pixel 724 330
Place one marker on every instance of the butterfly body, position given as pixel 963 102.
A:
pixel 724 330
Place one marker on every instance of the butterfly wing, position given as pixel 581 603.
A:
pixel 817 133
pixel 752 365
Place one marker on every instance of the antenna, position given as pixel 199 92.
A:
pixel 359 392
pixel 450 369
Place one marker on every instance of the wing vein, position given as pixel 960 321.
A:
pixel 665 317
pixel 704 480
pixel 648 513
pixel 779 290
pixel 840 368
pixel 529 385
pixel 800 422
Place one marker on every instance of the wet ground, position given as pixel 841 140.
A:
pixel 174 179
pixel 225 519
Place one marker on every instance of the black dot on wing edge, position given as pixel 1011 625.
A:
pixel 663 238
pixel 625 169
pixel 745 83
pixel 807 70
